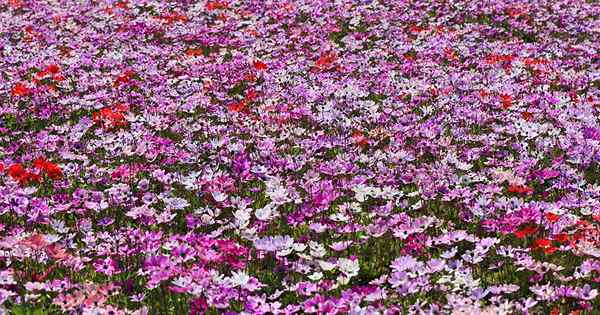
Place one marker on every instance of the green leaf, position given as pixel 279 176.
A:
pixel 18 310
pixel 39 311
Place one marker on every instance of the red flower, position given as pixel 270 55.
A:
pixel 40 74
pixel 16 171
pixel 493 59
pixel 562 238
pixel 527 116
pixel 30 177
pixel 56 252
pixel 583 223
pixel 550 250
pixel 1 167
pixel 237 107
pixel 359 138
pixel 552 217
pixel 121 5
pixel 515 12
pixel 122 107
pixel 40 163
pixel 576 238
pixel 42 276
pixel 416 29
pixel 111 117
pixel 542 243
pixel 535 61
pixel 259 65
pixel 545 244
pixel 54 69
pixel 172 17
pixel 506 101
pixel 15 4
pixel 450 54
pixel 526 231
pixel 20 89
pixel 36 241
pixel 124 78
pixel 213 5
pixel 251 95
pixel 195 52
pixel 325 61
pixel 53 171
pixel 520 189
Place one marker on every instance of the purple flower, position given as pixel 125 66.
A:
pixel 587 293
pixel 591 133
pixel 198 306
pixel 106 221
pixel 274 243
pixel 479 293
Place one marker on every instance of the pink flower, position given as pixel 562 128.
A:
pixel 107 266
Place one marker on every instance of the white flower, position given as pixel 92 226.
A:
pixel 59 226
pixel 413 194
pixel 299 247
pixel 176 203
pixel 265 213
pixel 258 169
pixel 327 266
pixel 182 282
pixel 449 253
pixel 304 256
pixel 339 217
pixel 284 252
pixel 242 217
pixel 463 166
pixel 417 205
pixel 357 310
pixel 316 249
pixel 349 267
pixel 165 217
pixel 277 192
pixel 218 278
pixel 218 196
pixel 343 280
pixel 7 277
pixel 361 192
pixel 379 294
pixel 169 245
pixel 389 192
pixel 544 292
pixel 355 207
pixel 316 276
pixel 239 278
pixel 35 286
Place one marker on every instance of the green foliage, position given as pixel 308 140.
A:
pixel 592 174
pixel 26 310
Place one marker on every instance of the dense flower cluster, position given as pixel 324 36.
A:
pixel 291 157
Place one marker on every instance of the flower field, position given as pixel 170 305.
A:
pixel 299 157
